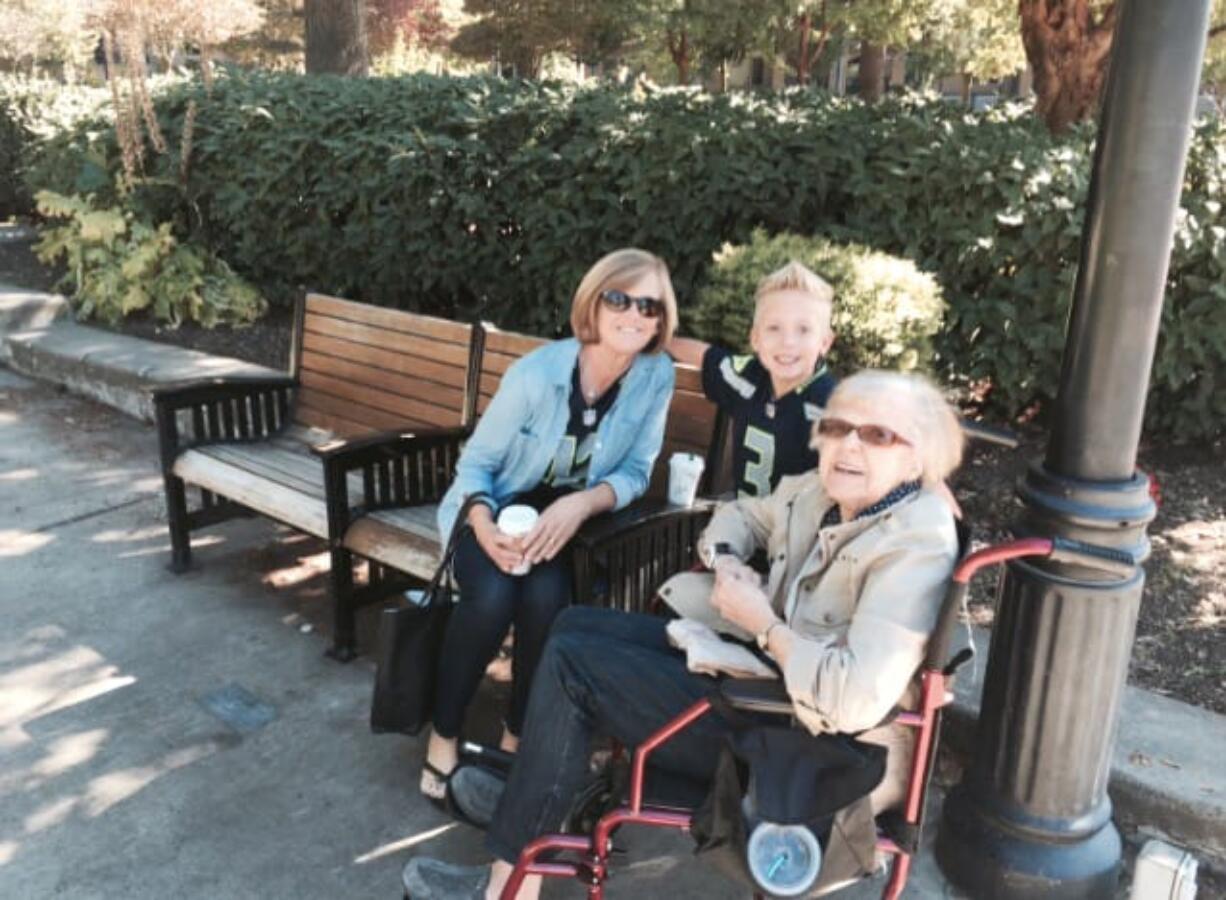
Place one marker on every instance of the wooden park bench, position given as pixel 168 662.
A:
pixel 248 445
pixel 359 441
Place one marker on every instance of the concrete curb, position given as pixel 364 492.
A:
pixel 113 368
pixel 22 310
pixel 1166 776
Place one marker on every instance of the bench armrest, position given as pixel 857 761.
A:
pixel 398 468
pixel 182 393
pixel 215 410
pixel 634 550
pixel 759 695
pixel 374 447
pixel 604 529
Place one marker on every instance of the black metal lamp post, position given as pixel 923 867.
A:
pixel 1031 817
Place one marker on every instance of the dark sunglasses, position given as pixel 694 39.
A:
pixel 872 435
pixel 620 301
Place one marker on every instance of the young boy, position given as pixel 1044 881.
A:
pixel 775 396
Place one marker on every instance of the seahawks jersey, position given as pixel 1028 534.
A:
pixel 574 453
pixel 770 435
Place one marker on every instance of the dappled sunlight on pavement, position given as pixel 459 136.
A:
pixel 405 843
pixel 14 542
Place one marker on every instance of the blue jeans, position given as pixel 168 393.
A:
pixel 490 602
pixel 604 673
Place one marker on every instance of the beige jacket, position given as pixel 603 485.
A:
pixel 861 598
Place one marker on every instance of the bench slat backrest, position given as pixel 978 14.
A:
pixel 364 368
pixel 691 427
pixel 501 348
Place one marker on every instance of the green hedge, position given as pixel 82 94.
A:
pixel 33 112
pixel 886 312
pixel 488 197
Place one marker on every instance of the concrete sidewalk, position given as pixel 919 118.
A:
pixel 166 735
pixel 1165 780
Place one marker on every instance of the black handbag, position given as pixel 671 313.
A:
pixel 408 647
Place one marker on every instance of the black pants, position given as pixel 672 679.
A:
pixel 490 602
pixel 604 673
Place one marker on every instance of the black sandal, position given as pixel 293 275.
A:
pixel 447 803
pixel 442 777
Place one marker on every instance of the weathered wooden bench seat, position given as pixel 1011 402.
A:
pixel 252 445
pixel 279 477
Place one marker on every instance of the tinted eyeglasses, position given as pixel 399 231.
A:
pixel 620 301
pixel 872 435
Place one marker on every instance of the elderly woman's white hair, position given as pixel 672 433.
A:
pixel 933 427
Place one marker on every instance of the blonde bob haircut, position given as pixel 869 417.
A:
pixel 933 427
pixel 795 277
pixel 616 272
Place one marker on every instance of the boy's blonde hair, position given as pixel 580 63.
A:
pixel 794 277
pixel 618 270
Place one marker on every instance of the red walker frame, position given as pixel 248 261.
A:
pixel 593 864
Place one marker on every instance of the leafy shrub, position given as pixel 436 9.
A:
pixel 886 312
pixel 31 113
pixel 483 197
pixel 118 265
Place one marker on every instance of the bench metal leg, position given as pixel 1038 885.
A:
pixel 177 519
pixel 344 631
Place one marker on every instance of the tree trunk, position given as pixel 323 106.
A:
pixel 872 72
pixel 336 37
pixel 1068 51
pixel 966 88
pixel 803 62
pixel 679 50
pixel 810 51
pixel 723 76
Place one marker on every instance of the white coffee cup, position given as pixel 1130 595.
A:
pixel 684 472
pixel 517 521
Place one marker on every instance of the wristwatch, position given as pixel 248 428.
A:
pixel 719 548
pixel 763 637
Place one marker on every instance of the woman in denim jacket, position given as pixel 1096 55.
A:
pixel 573 430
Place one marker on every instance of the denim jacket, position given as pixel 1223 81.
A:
pixel 516 438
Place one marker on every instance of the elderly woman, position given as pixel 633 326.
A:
pixel 860 551
pixel 572 431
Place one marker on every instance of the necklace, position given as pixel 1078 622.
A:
pixel 592 395
pixel 589 398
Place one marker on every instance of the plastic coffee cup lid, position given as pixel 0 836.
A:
pixel 517 520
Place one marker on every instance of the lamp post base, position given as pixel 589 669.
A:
pixel 988 858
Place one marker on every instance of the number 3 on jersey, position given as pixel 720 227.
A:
pixel 757 479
